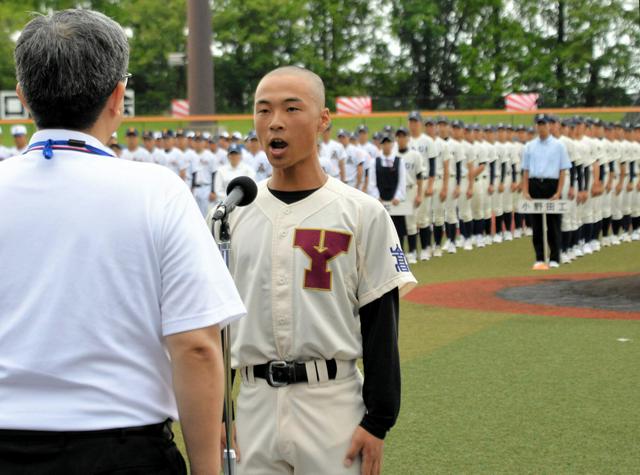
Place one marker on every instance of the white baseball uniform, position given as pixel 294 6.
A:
pixel 336 153
pixel 304 271
pixel 139 154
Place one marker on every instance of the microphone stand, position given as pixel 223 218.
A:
pixel 229 460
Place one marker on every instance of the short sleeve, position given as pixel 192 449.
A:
pixel 382 265
pixel 526 158
pixel 197 289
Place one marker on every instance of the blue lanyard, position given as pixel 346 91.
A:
pixel 48 146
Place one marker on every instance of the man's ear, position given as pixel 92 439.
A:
pixel 325 120
pixel 115 103
pixel 21 97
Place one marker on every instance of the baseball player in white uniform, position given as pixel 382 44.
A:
pixel 258 158
pixel 425 146
pixel 4 151
pixel 133 151
pixel 326 257
pixel 335 152
pixel 174 158
pixel 235 168
pixel 206 167
pixel 354 161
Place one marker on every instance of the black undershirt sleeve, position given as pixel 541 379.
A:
pixel 213 180
pixel 514 174
pixel 632 171
pixel 503 172
pixel 492 173
pixel 193 180
pixel 420 176
pixel 381 360
pixel 458 173
pixel 580 175
pixel 603 172
pixel 587 175
pixel 572 175
pixel 432 167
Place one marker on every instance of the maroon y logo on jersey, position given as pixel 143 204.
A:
pixel 320 246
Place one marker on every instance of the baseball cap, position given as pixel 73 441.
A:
pixel 531 130
pixel 520 128
pixel 236 135
pixel 541 119
pixel 362 129
pixel 402 131
pixel 430 121
pixel 489 128
pixel 252 135
pixel 342 133
pixel 387 129
pixel 17 130
pixel 191 134
pixel 376 136
pixel 206 135
pixel 386 138
pixel 197 136
pixel 147 135
pixel 233 148
pixel 457 124
pixel 168 133
pixel 180 133
pixel 442 120
pixel 157 135
pixel 353 136
pixel 223 135
pixel 415 115
pixel 132 132
pixel 500 126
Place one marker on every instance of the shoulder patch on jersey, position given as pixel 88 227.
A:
pixel 401 261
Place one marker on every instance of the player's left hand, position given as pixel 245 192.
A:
pixel 619 188
pixel 629 187
pixel 514 187
pixel 501 188
pixel 212 197
pixel 418 201
pixel 443 195
pixel 555 197
pixel 370 448
pixel 395 202
pixel 490 189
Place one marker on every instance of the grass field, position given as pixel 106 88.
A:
pixel 488 393
pixel 374 123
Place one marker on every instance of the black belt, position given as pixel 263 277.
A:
pixel 543 179
pixel 283 373
pixel 153 430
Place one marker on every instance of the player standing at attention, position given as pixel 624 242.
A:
pixel 328 273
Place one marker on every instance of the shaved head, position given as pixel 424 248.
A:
pixel 316 86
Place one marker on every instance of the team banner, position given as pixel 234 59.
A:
pixel 354 105
pixel 543 206
pixel 521 102
pixel 179 108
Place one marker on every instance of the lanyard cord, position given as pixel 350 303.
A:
pixel 48 146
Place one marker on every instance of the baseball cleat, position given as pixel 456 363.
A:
pixel 553 265
pixel 425 255
pixel 564 258
pixel 468 246
pixel 586 249
pixel 508 236
pixel 635 236
pixel 437 252
pixel 497 238
pixel 528 232
pixel 411 257
pixel 517 234
pixel 615 240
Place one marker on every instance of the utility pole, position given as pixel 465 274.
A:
pixel 200 61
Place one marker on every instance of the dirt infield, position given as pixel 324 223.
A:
pixel 613 296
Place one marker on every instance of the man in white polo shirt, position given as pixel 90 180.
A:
pixel 113 290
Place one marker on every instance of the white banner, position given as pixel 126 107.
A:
pixel 543 206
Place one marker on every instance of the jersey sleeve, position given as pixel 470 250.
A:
pixel 382 265
pixel 197 289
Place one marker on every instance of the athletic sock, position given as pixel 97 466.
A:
pixel 467 229
pixel 425 237
pixel 517 219
pixel 412 239
pixel 635 222
pixel 606 226
pixel 487 227
pixel 437 235
pixel 616 224
pixel 527 220
pixel 597 229
pixel 626 222
pixel 499 220
pixel 588 232
pixel 507 221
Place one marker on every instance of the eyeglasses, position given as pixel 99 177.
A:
pixel 125 79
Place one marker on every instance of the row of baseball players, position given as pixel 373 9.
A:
pixel 460 176
pixel 20 140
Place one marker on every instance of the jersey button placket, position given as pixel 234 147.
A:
pixel 281 302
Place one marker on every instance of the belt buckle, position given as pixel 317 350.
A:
pixel 278 364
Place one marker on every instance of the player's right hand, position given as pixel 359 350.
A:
pixel 223 442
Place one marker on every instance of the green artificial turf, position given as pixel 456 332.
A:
pixel 505 393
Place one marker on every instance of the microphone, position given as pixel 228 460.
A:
pixel 241 191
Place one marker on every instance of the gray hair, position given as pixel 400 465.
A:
pixel 67 64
